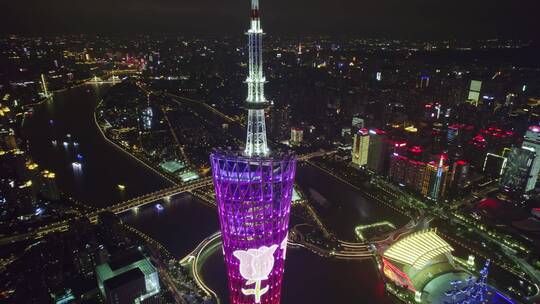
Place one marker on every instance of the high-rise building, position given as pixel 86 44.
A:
pixel 297 136
pixel 474 92
pixel 436 180
pixel 414 177
pixel 518 170
pixel 378 152
pixel 454 131
pixel 147 116
pixel 439 136
pixel 532 142
pixel 253 193
pixel 360 148
pixel 357 124
pixel 48 186
pixel 398 168
pixel 346 135
pixel 280 121
pixel 407 171
pixel 460 174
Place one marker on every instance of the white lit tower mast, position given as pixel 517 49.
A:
pixel 256 144
pixel 253 195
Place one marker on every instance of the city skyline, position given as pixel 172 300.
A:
pixel 178 159
pixel 416 19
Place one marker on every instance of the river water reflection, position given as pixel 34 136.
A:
pixel 69 117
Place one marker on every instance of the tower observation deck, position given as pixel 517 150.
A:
pixel 253 194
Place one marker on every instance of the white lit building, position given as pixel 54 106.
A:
pixel 358 122
pixel 108 275
pixel 360 148
pixel 297 136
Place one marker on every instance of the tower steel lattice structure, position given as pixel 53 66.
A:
pixel 256 143
pixel 253 194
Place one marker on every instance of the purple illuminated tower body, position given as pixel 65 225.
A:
pixel 253 193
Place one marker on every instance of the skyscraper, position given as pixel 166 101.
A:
pixel 253 194
pixel 407 171
pixel 378 153
pixel 360 148
pixel 357 123
pixel 518 170
pixel 280 122
pixel 398 168
pixel 474 92
pixel 297 136
pixel 532 143
pixel 460 174
pixel 436 180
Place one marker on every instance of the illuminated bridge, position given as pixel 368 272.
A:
pixel 116 208
pixel 157 195
pixel 122 207
pixel 314 154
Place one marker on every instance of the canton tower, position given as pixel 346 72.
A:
pixel 253 194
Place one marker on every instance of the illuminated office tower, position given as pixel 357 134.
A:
pixel 414 177
pixel 532 143
pixel 280 122
pixel 460 174
pixel 297 136
pixel 147 115
pixel 360 148
pixel 435 180
pixel 378 154
pixel 398 168
pixel 453 134
pixel 474 92
pixel 357 124
pixel 253 194
pixel 407 172
pixel 517 174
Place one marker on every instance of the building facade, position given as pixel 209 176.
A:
pixel 378 152
pixel 360 148
pixel 128 278
pixel 532 142
pixel 436 180
pixel 517 174
pixel 297 136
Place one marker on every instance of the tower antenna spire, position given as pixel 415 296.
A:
pixel 256 143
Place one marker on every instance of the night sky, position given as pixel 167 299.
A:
pixel 370 18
